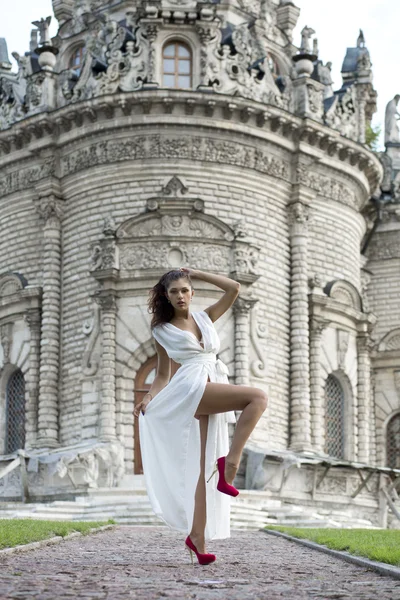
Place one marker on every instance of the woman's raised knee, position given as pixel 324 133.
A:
pixel 261 399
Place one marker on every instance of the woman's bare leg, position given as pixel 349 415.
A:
pixel 220 398
pixel 200 514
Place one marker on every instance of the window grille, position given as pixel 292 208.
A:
pixel 15 413
pixel 177 65
pixel 334 418
pixel 393 442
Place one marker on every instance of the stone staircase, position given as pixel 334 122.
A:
pixel 250 510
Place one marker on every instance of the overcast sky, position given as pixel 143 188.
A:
pixel 337 24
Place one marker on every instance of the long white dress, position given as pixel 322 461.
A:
pixel 170 434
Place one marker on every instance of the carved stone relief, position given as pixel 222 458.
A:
pixel 345 293
pixel 258 332
pixel 343 338
pixel 90 360
pixel 333 485
pixel 390 342
pixel 25 177
pixel 342 114
pixel 6 341
pixel 330 188
pixel 11 284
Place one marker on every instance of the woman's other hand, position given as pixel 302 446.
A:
pixel 141 406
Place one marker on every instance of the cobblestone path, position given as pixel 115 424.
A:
pixel 149 563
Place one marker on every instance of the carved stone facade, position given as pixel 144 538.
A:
pixel 257 170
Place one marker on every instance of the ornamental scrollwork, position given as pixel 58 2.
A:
pixel 104 255
pixel 90 360
pixel 258 331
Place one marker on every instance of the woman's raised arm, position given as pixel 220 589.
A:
pixel 230 287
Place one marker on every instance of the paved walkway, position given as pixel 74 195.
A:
pixel 150 563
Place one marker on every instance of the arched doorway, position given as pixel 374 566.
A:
pixel 143 380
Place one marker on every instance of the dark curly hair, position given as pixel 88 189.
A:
pixel 159 306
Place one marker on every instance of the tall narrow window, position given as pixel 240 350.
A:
pixel 76 60
pixel 393 442
pixel 177 65
pixel 15 413
pixel 334 418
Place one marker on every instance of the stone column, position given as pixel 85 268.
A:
pixel 300 414
pixel 50 208
pixel 107 424
pixel 241 310
pixel 317 386
pixel 364 397
pixel 32 377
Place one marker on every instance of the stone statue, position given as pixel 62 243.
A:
pixel 392 134
pixel 306 34
pixel 325 77
pixel 43 25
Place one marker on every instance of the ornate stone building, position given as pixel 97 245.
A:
pixel 147 135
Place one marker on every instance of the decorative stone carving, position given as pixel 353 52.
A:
pixel 390 342
pixel 396 376
pixel 244 71
pixel 50 207
pixel 343 338
pixel 174 187
pixel 104 255
pixel 24 178
pixel 306 34
pixel 6 341
pixel 11 283
pixel 245 259
pixel 157 146
pixel 333 485
pixel 90 361
pixel 152 255
pixel 392 134
pixel 345 293
pixel 258 331
pixel 342 114
pixel 330 188
pixel 44 30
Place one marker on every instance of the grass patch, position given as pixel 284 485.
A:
pixel 14 532
pixel 382 545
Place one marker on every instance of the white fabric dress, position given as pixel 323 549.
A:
pixel 170 434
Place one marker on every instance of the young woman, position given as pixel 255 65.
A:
pixel 183 420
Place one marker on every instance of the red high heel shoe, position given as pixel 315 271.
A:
pixel 222 486
pixel 204 559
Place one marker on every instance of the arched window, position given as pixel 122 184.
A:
pixel 393 442
pixel 76 60
pixel 177 65
pixel 15 413
pixel 334 418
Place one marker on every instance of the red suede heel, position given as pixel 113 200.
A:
pixel 222 486
pixel 204 559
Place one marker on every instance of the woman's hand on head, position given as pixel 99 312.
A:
pixel 187 271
